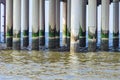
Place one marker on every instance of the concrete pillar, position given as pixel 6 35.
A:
pixel 42 22
pixel 57 35
pixel 2 30
pixel 68 22
pixel 115 24
pixel 0 23
pixel 82 35
pixel 105 25
pixel 75 25
pixel 35 24
pixel 9 23
pixel 52 23
pixel 25 22
pixel 16 23
pixel 64 23
pixel 92 25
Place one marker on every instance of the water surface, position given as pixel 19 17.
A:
pixel 44 65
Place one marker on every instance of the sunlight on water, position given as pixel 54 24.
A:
pixel 38 65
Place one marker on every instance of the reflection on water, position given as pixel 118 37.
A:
pixel 36 65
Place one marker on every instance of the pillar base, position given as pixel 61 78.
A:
pixel 16 44
pixel 35 43
pixel 92 46
pixel 9 42
pixel 25 41
pixel 64 42
pixel 51 44
pixel 57 42
pixel 115 43
pixel 74 47
pixel 68 43
pixel 105 44
pixel 82 42
pixel 42 41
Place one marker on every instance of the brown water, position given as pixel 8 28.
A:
pixel 36 65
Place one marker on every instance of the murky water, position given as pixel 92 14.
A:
pixel 36 65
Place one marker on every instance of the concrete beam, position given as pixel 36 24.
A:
pixel 3 1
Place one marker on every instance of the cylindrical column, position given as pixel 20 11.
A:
pixel 105 25
pixel 41 22
pixel 2 30
pixel 75 25
pixel 0 23
pixel 92 25
pixel 68 22
pixel 25 22
pixel 82 35
pixel 64 23
pixel 115 24
pixel 57 34
pixel 35 24
pixel 16 23
pixel 52 23
pixel 9 23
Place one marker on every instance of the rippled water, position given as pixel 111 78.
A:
pixel 37 65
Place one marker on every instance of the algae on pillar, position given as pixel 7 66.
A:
pixel 16 24
pixel 82 35
pixel 68 22
pixel 42 22
pixel 35 24
pixel 25 22
pixel 64 24
pixel 92 25
pixel 115 24
pixel 105 25
pixel 9 23
pixel 57 34
pixel 52 24
pixel 75 25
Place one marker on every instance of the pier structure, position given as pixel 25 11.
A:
pixel 17 24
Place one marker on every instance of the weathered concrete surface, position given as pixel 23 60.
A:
pixel 35 24
pixel 41 23
pixel 25 22
pixel 116 24
pixel 92 25
pixel 75 25
pixel 16 24
pixel 57 34
pixel 9 23
pixel 105 25
pixel 52 24
pixel 82 33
